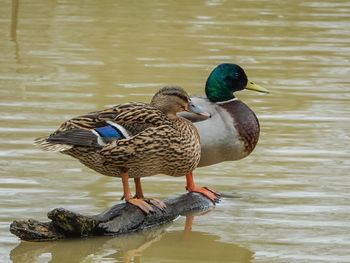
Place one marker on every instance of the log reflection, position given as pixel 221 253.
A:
pixel 155 245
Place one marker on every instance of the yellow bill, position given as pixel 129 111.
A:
pixel 252 86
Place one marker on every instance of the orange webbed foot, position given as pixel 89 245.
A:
pixel 210 194
pixel 157 203
pixel 213 191
pixel 142 204
pixel 191 187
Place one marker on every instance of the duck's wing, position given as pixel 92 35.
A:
pixel 97 129
pixel 149 147
pixel 134 117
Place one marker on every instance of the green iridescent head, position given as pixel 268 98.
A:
pixel 226 79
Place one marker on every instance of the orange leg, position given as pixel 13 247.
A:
pixel 138 188
pixel 191 187
pixel 140 203
pixel 139 194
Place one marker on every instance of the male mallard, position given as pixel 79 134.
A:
pixel 232 132
pixel 135 140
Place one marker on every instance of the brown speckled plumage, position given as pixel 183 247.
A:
pixel 171 149
pixel 158 144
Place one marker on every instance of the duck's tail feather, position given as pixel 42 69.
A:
pixel 46 145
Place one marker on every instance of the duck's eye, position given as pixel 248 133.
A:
pixel 182 106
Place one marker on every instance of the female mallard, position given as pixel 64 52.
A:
pixel 233 130
pixel 135 140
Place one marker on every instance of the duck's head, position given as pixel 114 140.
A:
pixel 226 79
pixel 171 100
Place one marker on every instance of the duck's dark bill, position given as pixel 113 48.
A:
pixel 252 86
pixel 193 117
pixel 197 110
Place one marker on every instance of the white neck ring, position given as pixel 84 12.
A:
pixel 226 101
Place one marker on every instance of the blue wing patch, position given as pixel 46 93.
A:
pixel 110 131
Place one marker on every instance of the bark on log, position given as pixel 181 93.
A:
pixel 120 219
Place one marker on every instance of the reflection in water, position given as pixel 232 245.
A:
pixel 13 31
pixel 154 245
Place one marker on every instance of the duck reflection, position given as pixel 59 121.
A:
pixel 154 245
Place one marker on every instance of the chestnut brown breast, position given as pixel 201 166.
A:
pixel 245 122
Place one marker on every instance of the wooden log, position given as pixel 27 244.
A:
pixel 119 219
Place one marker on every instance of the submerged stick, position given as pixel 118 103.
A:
pixel 117 220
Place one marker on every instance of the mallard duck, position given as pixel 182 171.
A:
pixel 233 130
pixel 135 140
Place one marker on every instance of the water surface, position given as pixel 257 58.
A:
pixel 287 202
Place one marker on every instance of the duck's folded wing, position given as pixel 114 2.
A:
pixel 134 116
pixel 100 128
pixel 92 138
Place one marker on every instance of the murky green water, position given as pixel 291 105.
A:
pixel 291 197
